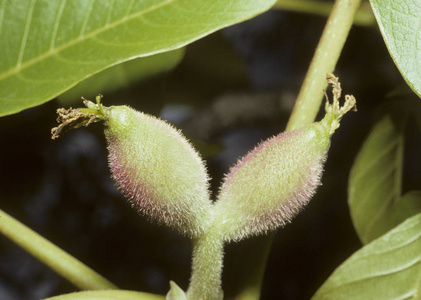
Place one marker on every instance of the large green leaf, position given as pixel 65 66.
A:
pixel 107 295
pixel 49 46
pixel 399 22
pixel 387 268
pixel 374 192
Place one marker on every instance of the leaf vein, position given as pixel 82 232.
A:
pixel 47 54
pixel 385 175
pixel 57 24
pixel 86 19
pixel 2 9
pixel 129 7
pixel 25 33
pixel 391 147
pixel 379 213
pixel 110 10
pixel 372 276
pixel 405 243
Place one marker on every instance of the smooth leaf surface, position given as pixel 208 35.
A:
pixel 399 22
pixel 49 46
pixel 107 295
pixel 387 268
pixel 124 74
pixel 374 191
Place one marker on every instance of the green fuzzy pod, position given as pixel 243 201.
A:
pixel 158 170
pixel 272 183
pixel 165 179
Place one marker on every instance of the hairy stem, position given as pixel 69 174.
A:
pixel 63 263
pixel 205 282
pixel 306 107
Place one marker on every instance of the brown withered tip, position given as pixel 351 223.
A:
pixel 350 102
pixel 336 85
pixel 71 119
pixel 74 118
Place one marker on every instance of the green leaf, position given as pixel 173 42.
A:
pixel 374 190
pixel 49 46
pixel 387 268
pixel 123 75
pixel 399 22
pixel 407 205
pixel 108 295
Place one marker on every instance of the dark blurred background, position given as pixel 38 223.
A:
pixel 231 90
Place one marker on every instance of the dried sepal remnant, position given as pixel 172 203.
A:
pixel 334 111
pixel 336 85
pixel 74 118
pixel 71 119
pixel 272 183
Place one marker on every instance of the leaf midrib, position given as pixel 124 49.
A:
pixel 371 276
pixel 412 264
pixel 55 51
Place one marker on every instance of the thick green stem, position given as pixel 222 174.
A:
pixel 363 17
pixel 307 106
pixel 324 61
pixel 205 282
pixel 64 264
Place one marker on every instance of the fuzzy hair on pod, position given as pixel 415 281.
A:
pixel 166 180
pixel 158 170
pixel 272 183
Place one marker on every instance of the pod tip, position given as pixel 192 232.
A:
pixel 73 118
pixel 335 112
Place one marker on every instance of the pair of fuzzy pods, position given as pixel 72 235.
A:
pixel 165 179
